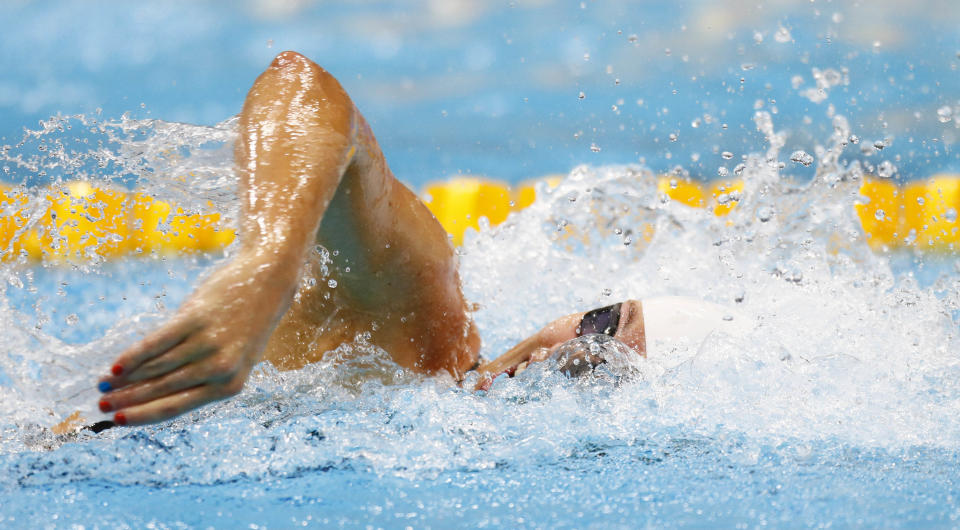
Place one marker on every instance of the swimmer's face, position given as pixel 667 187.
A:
pixel 628 329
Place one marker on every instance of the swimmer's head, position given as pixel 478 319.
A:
pixel 578 343
pixel 612 334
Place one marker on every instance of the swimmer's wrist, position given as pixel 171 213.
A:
pixel 277 271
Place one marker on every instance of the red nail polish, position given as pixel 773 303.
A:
pixel 105 406
pixel 120 418
pixel 116 369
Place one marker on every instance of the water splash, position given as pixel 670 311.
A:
pixel 845 347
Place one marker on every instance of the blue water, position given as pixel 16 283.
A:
pixel 493 87
pixel 838 409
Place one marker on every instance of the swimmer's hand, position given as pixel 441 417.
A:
pixel 207 350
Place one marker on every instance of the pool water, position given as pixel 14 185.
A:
pixel 838 408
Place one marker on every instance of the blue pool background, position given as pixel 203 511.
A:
pixel 493 88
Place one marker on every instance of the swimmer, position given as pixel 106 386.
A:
pixel 311 173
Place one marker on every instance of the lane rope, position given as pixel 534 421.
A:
pixel 78 222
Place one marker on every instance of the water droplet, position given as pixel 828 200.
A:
pixel 332 284
pixel 920 201
pixel 581 95
pixel 722 171
pixel 802 157
pixel 72 319
pixel 945 114
pixel 950 215
pixel 672 137
pixel 886 169
pixel 765 213
pixel 738 169
pixel 746 67
pixel 595 148
pixel 726 155
pixel 880 215
pixel 633 38
pixel 782 35
pixel 879 145
pixel 607 292
pixel 854 139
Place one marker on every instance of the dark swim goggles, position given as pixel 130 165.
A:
pixel 603 320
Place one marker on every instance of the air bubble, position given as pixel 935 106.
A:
pixel 726 155
pixel 332 283
pixel 950 215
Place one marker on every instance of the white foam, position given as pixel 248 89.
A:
pixel 840 348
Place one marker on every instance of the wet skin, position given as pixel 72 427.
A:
pixel 311 173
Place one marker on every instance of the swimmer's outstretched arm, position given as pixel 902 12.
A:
pixel 297 134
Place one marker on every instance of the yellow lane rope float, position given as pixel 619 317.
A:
pixel 79 222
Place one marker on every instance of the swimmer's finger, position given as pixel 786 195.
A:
pixel 166 407
pixel 219 375
pixel 156 344
pixel 180 355
pixel 145 391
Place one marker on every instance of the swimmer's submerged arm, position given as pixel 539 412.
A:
pixel 295 142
